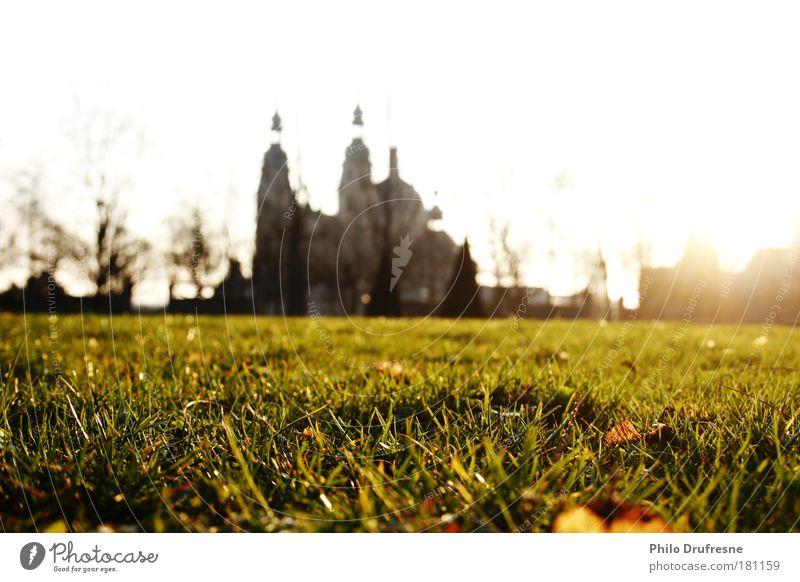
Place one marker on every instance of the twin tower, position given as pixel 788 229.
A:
pixel 309 262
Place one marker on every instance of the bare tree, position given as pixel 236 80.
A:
pixel 507 259
pixel 193 255
pixel 105 145
pixel 641 254
pixel 38 242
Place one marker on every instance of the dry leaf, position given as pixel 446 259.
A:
pixel 625 432
pixel 609 517
pixel 638 520
pixel 660 432
pixel 621 434
pixel 578 520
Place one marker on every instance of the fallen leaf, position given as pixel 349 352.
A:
pixel 625 432
pixel 638 520
pixel 621 434
pixel 578 520
pixel 660 432
pixel 609 517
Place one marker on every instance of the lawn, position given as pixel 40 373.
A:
pixel 178 423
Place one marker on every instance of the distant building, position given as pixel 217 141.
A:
pixel 691 290
pixel 768 289
pixel 306 261
pixel 697 290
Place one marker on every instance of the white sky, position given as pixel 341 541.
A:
pixel 685 112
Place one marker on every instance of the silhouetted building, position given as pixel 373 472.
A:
pixel 331 264
pixel 767 290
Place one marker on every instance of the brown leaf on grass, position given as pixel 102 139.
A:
pixel 660 433
pixel 621 434
pixel 637 519
pixel 578 520
pixel 609 517
pixel 625 432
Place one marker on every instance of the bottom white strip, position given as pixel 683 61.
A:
pixel 354 557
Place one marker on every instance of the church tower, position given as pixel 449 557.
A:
pixel 274 190
pixel 360 217
pixel 276 209
pixel 356 190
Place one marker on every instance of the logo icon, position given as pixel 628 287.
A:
pixel 402 254
pixel 31 555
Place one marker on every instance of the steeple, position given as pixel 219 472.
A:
pixel 277 127
pixel 358 123
pixel 274 189
pixel 435 213
pixel 357 151
pixel 356 191
pixel 275 157
pixel 394 172
pixel 275 202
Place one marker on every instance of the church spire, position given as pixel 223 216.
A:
pixel 277 127
pixel 358 123
pixel 394 171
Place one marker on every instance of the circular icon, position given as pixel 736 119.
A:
pixel 31 555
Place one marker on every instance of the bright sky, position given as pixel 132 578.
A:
pixel 684 114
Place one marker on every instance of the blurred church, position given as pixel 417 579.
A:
pixel 309 262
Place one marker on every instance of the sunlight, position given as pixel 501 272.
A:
pixel 738 233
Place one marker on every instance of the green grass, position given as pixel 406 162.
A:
pixel 183 424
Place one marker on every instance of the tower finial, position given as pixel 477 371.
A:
pixel 357 116
pixel 277 127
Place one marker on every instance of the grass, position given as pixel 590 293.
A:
pixel 210 424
